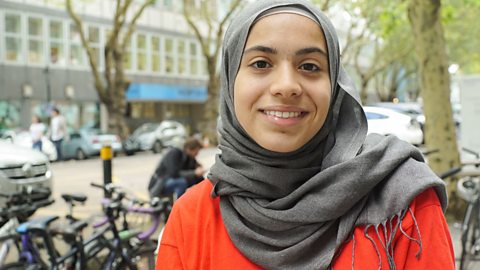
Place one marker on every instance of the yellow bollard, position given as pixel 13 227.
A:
pixel 106 155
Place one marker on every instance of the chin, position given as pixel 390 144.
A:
pixel 279 147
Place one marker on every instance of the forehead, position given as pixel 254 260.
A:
pixel 285 26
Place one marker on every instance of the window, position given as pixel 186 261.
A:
pixel 155 50
pixel 194 59
pixel 182 61
pixel 375 116
pixel 127 56
pixel 57 50
pixel 141 52
pixel 35 40
pixel 76 49
pixel 94 42
pixel 169 64
pixel 13 38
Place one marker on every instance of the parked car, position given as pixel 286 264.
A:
pixel 85 143
pixel 411 108
pixel 22 167
pixel 155 137
pixel 386 121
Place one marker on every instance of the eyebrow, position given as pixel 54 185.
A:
pixel 311 50
pixel 269 50
pixel 261 48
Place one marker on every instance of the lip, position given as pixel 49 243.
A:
pixel 275 120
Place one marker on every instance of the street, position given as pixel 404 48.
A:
pixel 130 172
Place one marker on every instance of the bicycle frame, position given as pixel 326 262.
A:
pixel 7 234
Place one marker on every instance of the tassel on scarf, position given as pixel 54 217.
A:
pixel 389 228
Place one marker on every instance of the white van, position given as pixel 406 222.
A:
pixel 22 167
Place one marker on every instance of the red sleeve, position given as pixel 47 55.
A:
pixel 168 254
pixel 437 249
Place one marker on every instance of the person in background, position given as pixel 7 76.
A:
pixel 298 183
pixel 58 130
pixel 37 132
pixel 177 171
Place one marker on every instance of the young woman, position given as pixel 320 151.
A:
pixel 299 184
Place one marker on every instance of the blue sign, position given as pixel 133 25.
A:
pixel 164 92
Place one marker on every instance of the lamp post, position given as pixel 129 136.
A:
pixel 47 83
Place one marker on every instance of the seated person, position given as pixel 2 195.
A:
pixel 177 171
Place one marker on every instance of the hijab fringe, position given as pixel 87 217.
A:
pixel 390 228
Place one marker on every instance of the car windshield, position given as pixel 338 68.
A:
pixel 145 128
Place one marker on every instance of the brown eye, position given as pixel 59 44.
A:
pixel 309 67
pixel 260 64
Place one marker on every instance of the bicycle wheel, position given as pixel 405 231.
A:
pixel 470 236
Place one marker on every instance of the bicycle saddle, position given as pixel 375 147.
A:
pixel 74 197
pixel 36 224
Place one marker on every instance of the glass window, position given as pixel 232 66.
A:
pixel 56 30
pixel 12 23
pixel 76 49
pixel 155 50
pixel 127 57
pixel 57 49
pixel 35 27
pixel 182 65
pixel 13 38
pixel 141 52
pixel 169 65
pixel 35 40
pixel 193 59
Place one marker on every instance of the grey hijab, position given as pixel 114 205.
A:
pixel 295 210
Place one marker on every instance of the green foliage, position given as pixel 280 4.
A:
pixel 460 20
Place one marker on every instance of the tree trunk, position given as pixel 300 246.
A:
pixel 209 127
pixel 424 16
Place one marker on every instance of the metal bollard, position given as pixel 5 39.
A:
pixel 106 155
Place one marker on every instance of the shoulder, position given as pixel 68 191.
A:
pixel 197 198
pixel 174 152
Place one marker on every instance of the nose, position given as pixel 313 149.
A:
pixel 285 82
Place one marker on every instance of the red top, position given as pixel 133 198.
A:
pixel 196 238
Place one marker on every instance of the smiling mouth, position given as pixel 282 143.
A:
pixel 284 115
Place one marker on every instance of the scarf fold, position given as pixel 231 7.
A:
pixel 295 210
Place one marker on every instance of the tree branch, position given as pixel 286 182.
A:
pixel 96 75
pixel 133 23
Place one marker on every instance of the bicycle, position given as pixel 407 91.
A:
pixel 19 205
pixel 125 248
pixel 468 188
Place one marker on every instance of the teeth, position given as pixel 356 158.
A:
pixel 283 114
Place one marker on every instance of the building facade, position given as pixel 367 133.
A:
pixel 43 64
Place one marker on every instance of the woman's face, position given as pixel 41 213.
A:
pixel 282 90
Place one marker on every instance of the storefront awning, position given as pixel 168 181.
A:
pixel 164 92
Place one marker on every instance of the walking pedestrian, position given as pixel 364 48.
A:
pixel 299 184
pixel 37 132
pixel 58 131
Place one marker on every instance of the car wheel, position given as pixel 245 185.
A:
pixel 129 153
pixel 80 155
pixel 157 147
